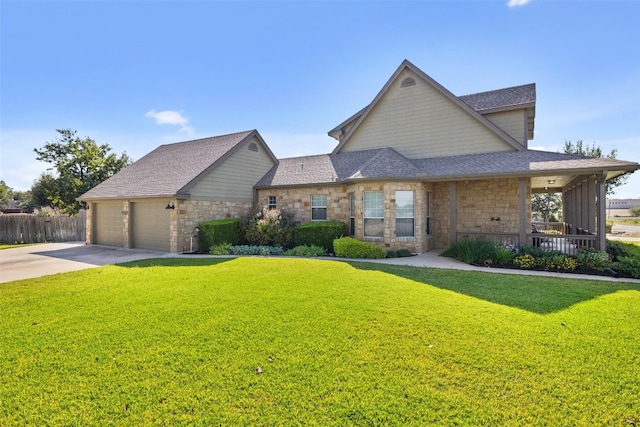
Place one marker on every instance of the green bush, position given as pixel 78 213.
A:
pixel 270 227
pixel 593 259
pixel 608 226
pixel 348 247
pixel 526 261
pixel 504 256
pixel 218 232
pixel 616 250
pixel 223 249
pixel 306 251
pixel 635 211
pixel 318 233
pixel 629 265
pixel 392 254
pixel 256 250
pixel 472 251
pixel 404 253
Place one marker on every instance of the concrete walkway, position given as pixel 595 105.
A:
pixel 27 262
pixel 434 260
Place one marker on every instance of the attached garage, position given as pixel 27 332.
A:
pixel 108 224
pixel 150 225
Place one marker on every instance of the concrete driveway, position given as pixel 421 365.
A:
pixel 26 262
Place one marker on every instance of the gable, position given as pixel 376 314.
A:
pixel 421 119
pixel 233 177
pixel 512 122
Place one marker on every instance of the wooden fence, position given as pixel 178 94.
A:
pixel 34 229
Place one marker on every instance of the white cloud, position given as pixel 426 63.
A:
pixel 169 117
pixel 514 3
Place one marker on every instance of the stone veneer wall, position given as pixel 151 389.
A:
pixel 440 218
pixel 298 201
pixel 189 213
pixel 479 201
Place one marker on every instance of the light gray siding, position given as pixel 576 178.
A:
pixel 419 121
pixel 513 123
pixel 233 179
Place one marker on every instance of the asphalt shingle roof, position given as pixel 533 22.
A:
pixel 386 163
pixel 168 169
pixel 501 98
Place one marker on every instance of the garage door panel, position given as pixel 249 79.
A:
pixel 108 224
pixel 151 226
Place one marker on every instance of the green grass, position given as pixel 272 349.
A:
pixel 15 245
pixel 177 342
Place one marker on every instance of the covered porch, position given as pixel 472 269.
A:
pixel 583 206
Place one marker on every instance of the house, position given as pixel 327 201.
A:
pixel 157 202
pixel 417 168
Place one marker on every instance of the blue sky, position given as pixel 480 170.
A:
pixel 138 74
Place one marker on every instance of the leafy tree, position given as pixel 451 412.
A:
pixel 594 151
pixel 43 191
pixel 546 204
pixel 81 164
pixel 5 195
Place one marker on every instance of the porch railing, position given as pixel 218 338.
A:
pixel 542 227
pixel 567 243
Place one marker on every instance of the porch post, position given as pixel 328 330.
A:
pixel 602 197
pixel 522 234
pixel 453 220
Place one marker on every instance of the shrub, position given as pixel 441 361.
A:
pixel 635 211
pixel 404 253
pixel 472 251
pixel 608 226
pixel 348 247
pixel 629 265
pixel 616 250
pixel 271 227
pixel 223 249
pixel 531 250
pixel 218 232
pixel 569 264
pixel 525 261
pixel 256 250
pixel 392 254
pixel 306 251
pixel 318 233
pixel 504 256
pixel 593 259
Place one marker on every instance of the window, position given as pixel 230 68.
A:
pixel 271 202
pixel 253 147
pixel 405 217
pixel 352 214
pixel 373 213
pixel 318 207
pixel 428 216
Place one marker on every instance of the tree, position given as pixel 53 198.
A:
pixel 81 164
pixel 5 195
pixel 595 151
pixel 546 204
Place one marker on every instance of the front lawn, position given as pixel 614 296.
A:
pixel 181 342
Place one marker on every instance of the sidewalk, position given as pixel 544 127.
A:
pixel 434 260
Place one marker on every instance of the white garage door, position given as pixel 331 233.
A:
pixel 150 226
pixel 108 223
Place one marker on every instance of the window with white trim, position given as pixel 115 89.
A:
pixel 373 202
pixel 318 207
pixel 271 202
pixel 405 214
